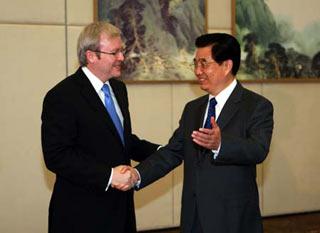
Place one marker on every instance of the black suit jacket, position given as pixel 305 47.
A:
pixel 222 190
pixel 81 145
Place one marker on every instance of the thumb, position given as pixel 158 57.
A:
pixel 213 122
pixel 123 169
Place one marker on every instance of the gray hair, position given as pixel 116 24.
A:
pixel 90 37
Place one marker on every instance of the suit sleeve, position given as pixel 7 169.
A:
pixel 62 154
pixel 253 147
pixel 141 149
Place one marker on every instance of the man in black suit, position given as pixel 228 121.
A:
pixel 86 135
pixel 220 193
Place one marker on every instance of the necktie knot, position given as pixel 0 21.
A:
pixel 106 90
pixel 213 103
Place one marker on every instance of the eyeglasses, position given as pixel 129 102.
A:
pixel 115 53
pixel 202 63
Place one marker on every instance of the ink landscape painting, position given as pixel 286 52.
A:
pixel 280 40
pixel 159 36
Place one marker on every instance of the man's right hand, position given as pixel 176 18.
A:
pixel 124 177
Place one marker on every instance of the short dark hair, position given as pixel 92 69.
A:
pixel 224 47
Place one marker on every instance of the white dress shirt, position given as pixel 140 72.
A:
pixel 97 85
pixel 221 99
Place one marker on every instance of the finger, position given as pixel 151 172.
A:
pixel 205 131
pixel 213 122
pixel 123 169
pixel 200 143
pixel 122 187
pixel 204 137
pixel 202 140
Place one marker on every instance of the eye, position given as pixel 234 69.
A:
pixel 204 63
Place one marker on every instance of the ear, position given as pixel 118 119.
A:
pixel 91 56
pixel 227 65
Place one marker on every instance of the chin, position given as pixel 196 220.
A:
pixel 116 74
pixel 204 87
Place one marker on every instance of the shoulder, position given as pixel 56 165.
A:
pixel 253 97
pixel 255 101
pixel 66 87
pixel 195 104
pixel 199 100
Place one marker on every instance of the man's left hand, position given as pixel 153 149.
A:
pixel 208 138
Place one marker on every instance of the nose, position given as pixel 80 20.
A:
pixel 120 56
pixel 198 70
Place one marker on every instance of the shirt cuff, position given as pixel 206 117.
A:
pixel 216 152
pixel 137 185
pixel 110 179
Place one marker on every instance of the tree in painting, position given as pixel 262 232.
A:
pixel 159 35
pixel 272 48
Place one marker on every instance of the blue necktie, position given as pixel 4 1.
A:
pixel 112 111
pixel 211 113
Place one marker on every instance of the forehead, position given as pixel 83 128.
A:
pixel 110 42
pixel 204 52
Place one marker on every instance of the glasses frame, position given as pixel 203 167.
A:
pixel 203 64
pixel 115 53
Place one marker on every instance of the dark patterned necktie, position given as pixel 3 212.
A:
pixel 211 113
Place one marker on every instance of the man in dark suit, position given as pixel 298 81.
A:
pixel 86 135
pixel 220 193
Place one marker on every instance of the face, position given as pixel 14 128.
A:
pixel 212 77
pixel 109 64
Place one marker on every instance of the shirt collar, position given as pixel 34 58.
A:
pixel 94 80
pixel 223 96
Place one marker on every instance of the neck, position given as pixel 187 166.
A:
pixel 217 90
pixel 104 78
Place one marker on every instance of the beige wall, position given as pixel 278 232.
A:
pixel 37 45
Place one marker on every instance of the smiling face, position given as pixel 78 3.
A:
pixel 212 77
pixel 106 65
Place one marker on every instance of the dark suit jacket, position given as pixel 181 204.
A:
pixel 222 190
pixel 81 145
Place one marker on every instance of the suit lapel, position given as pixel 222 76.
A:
pixel 199 119
pixel 202 110
pixel 90 95
pixel 231 106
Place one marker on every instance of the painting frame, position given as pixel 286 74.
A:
pixel 183 64
pixel 238 28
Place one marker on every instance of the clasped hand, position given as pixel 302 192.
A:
pixel 208 138
pixel 124 177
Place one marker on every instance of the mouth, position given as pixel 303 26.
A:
pixel 117 66
pixel 201 79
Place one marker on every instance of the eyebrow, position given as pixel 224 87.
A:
pixel 203 59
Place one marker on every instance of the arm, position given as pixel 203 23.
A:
pixel 141 149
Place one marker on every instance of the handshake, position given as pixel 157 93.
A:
pixel 124 177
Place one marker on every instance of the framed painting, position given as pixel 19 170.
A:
pixel 159 36
pixel 280 40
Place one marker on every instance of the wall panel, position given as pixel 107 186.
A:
pixel 291 181
pixel 33 12
pixel 33 60
pixel 151 112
